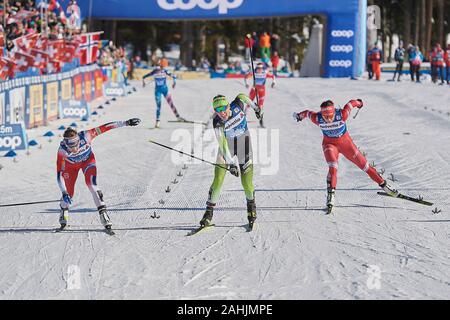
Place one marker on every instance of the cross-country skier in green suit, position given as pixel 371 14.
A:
pixel 235 151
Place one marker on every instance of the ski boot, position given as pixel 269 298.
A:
pixel 157 124
pixel 63 217
pixel 207 217
pixel 104 218
pixel 330 199
pixel 251 213
pixel 389 189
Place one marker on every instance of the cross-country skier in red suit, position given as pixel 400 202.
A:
pixel 259 87
pixel 337 140
pixel 75 154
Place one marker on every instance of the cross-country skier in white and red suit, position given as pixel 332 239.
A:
pixel 75 154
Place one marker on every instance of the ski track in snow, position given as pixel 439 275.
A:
pixel 295 250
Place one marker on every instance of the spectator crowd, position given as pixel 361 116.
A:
pixel 438 57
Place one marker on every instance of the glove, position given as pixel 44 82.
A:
pixel 300 116
pixel 66 198
pixel 234 170
pixel 361 103
pixel 259 113
pixel 173 86
pixel 273 84
pixel 133 122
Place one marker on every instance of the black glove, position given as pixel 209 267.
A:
pixel 259 113
pixel 133 122
pixel 362 104
pixel 234 170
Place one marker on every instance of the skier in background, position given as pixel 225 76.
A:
pixel 369 64
pixel 261 75
pixel 376 59
pixel 75 154
pixel 337 140
pixel 447 63
pixel 230 126
pixel 399 57
pixel 416 58
pixel 160 76
pixel 437 59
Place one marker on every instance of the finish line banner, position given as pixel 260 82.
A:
pixel 346 21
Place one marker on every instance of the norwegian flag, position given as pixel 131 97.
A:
pixel 23 61
pixel 26 42
pixel 7 67
pixel 89 44
pixel 40 58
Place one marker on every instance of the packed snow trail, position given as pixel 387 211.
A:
pixel 370 247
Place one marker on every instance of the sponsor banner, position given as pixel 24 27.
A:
pixel 52 101
pixel 17 106
pixel 78 87
pixel 66 89
pixel 98 86
pixel 114 75
pixel 75 109
pixel 113 89
pixel 191 75
pixel 36 106
pixel 218 75
pixel 12 136
pixel 213 9
pixel 346 21
pixel 87 86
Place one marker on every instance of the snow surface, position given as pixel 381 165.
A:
pixel 372 247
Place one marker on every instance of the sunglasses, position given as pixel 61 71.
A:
pixel 221 109
pixel 72 142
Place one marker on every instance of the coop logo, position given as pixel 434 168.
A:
pixel 10 142
pixel 341 63
pixel 70 112
pixel 223 5
pixel 342 33
pixel 114 91
pixel 341 48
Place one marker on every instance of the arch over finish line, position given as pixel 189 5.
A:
pixel 345 41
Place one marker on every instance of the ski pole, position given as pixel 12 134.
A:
pixel 356 113
pixel 253 70
pixel 190 155
pixel 27 203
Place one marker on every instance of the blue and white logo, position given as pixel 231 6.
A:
pixel 75 109
pixel 12 137
pixel 222 5
pixel 113 89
